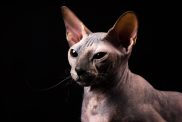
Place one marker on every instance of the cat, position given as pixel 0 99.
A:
pixel 112 93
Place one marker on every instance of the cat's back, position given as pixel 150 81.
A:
pixel 168 104
pixel 171 105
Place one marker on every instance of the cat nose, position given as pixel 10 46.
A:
pixel 79 71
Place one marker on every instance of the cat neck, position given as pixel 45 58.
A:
pixel 124 85
pixel 118 79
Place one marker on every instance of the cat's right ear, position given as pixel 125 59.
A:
pixel 75 29
pixel 124 31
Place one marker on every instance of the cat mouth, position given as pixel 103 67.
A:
pixel 85 81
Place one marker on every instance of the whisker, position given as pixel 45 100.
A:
pixel 70 81
pixel 53 86
pixel 46 89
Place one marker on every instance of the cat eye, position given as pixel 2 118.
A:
pixel 73 53
pixel 99 55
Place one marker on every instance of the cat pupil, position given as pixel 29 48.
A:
pixel 73 53
pixel 99 55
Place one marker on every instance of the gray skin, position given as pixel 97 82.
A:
pixel 112 93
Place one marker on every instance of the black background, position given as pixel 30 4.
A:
pixel 34 53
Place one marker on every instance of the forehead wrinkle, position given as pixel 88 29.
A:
pixel 90 41
pixel 94 38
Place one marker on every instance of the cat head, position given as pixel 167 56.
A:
pixel 96 57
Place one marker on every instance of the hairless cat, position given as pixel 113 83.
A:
pixel 112 93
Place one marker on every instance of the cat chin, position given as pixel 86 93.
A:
pixel 83 84
pixel 89 81
pixel 86 80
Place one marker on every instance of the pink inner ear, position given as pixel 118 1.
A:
pixel 73 33
pixel 75 29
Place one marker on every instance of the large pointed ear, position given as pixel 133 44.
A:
pixel 124 31
pixel 75 29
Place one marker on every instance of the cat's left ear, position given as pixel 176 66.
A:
pixel 124 31
pixel 75 29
